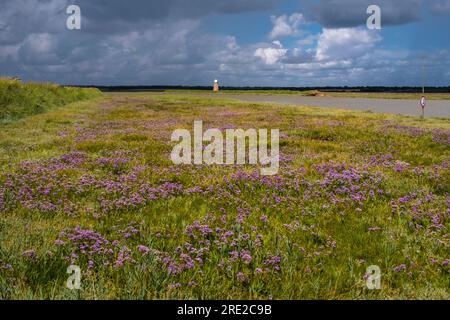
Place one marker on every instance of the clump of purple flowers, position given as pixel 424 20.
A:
pixel 90 247
pixel 428 218
pixel 344 184
pixel 428 213
pixel 55 185
pixel 441 136
pixel 273 263
pixel 234 246
pixel 116 164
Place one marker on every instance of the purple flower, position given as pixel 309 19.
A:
pixel 59 242
pixel 241 277
pixel 174 286
pixel 400 268
pixel 246 257
pixel 29 254
pixel 258 270
pixel 143 249
pixel 228 234
pixel 245 237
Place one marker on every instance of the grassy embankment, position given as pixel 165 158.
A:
pixel 18 100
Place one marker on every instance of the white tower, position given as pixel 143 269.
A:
pixel 216 86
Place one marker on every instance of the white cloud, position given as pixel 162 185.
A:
pixel 284 26
pixel 271 55
pixel 309 40
pixel 345 43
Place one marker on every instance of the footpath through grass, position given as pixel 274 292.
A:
pixel 92 184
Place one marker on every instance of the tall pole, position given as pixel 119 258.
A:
pixel 422 100
pixel 423 112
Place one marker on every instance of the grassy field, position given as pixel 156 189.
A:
pixel 316 93
pixel 18 100
pixel 92 184
pixel 308 93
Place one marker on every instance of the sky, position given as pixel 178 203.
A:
pixel 239 42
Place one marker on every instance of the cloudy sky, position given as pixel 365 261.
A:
pixel 239 42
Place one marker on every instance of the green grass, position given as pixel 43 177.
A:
pixel 79 164
pixel 258 92
pixel 18 100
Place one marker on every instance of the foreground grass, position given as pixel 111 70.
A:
pixel 92 184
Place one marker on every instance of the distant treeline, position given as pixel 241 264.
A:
pixel 323 89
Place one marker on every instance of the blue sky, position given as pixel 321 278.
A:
pixel 239 42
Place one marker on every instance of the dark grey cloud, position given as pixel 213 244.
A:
pixel 129 42
pixel 18 18
pixel 136 10
pixel 109 16
pixel 167 42
pixel 352 13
